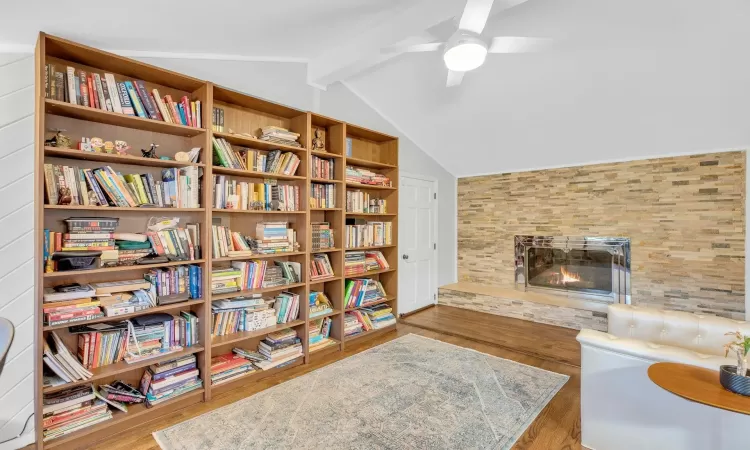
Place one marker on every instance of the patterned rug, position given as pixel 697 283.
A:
pixel 409 393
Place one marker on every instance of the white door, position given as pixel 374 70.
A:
pixel 417 236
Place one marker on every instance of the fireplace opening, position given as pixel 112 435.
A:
pixel 577 270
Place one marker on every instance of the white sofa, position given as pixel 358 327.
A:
pixel 622 409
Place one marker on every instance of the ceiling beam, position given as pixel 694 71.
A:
pixel 359 52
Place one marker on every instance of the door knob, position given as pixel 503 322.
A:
pixel 405 256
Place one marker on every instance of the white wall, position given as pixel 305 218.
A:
pixel 17 244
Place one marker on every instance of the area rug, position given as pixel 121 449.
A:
pixel 409 393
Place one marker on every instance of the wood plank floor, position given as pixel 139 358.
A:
pixel 556 427
pixel 535 339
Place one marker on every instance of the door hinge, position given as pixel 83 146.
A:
pixel 434 195
pixel 434 246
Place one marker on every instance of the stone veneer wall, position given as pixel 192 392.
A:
pixel 685 217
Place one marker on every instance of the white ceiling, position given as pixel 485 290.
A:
pixel 626 79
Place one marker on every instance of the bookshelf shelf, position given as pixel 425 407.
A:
pixel 89 114
pixel 372 247
pixel 244 258
pixel 122 367
pixel 155 309
pixel 386 299
pixel 122 209
pixel 369 333
pixel 245 115
pixel 250 174
pixel 114 159
pixel 257 143
pixel 243 335
pixel 370 186
pixel 367 163
pixel 369 273
pixel 242 211
pixel 257 291
pixel 133 268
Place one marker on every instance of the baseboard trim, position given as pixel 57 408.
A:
pixel 401 316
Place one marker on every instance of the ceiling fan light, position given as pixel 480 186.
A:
pixel 465 56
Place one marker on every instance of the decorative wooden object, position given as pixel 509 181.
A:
pixel 242 114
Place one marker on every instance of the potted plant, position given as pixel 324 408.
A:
pixel 740 346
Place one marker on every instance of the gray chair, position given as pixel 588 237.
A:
pixel 6 338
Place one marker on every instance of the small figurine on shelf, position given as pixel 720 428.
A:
pixel 64 197
pixel 59 140
pixel 109 147
pixel 97 144
pixel 318 142
pixel 151 152
pixel 121 147
pixel 182 157
pixel 85 145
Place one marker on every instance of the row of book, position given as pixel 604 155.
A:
pixel 272 162
pixel 322 195
pixel 366 319
pixel 266 196
pixel 254 274
pixel 181 281
pixel 252 313
pixel 271 238
pixel 368 234
pixel 362 291
pixel 359 262
pixel 322 168
pixel 178 187
pixel 361 175
pixel 166 380
pixel 176 243
pixel 364 202
pixel 320 267
pixel 322 236
pixel 319 336
pixel 127 97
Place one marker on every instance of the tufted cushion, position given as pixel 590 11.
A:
pixel 700 333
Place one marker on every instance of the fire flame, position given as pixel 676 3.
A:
pixel 569 277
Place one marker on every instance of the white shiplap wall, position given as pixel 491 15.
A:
pixel 17 245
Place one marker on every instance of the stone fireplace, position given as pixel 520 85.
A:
pixel 586 268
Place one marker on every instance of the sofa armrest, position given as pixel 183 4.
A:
pixel 648 351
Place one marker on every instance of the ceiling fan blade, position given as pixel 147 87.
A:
pixel 475 15
pixel 454 78
pixel 518 44
pixel 430 47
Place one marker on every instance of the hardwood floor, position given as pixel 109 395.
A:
pixel 535 339
pixel 556 427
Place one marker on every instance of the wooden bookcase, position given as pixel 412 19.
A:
pixel 242 114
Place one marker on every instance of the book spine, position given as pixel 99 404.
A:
pixel 83 89
pixel 75 319
pixel 145 98
pixel 93 97
pixel 185 102
pixel 122 91
pixel 114 94
pixel 100 92
pixel 71 85
pixel 136 102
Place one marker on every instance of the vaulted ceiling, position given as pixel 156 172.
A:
pixel 623 80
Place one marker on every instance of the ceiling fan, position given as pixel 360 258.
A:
pixel 466 50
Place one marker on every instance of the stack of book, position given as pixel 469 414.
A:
pixel 286 306
pixel 119 393
pixel 362 291
pixel 84 234
pixel 322 195
pixel 229 243
pixel 154 335
pixel 365 176
pixel 225 280
pixel 169 379
pixel 380 316
pixel 125 297
pixel 322 236
pixel 363 202
pixel 374 260
pixel 279 135
pixel 319 304
pixel 242 314
pixel 352 324
pixel 129 97
pixel 70 304
pixel 320 332
pixel 71 410
pixel 274 275
pixel 228 367
pixel 61 361
pixel 279 348
pixel 244 196
pixel 320 267
pixel 322 168
pixel 176 283
pixel 274 237
pixel 354 263
pixel 367 234
pixel 178 187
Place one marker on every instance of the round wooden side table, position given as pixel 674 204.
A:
pixel 697 384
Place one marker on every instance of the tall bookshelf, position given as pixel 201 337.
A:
pixel 242 114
